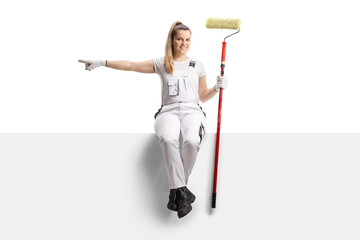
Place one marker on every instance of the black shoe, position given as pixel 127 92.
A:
pixel 182 202
pixel 190 195
pixel 172 200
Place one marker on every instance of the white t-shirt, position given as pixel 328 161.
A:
pixel 183 84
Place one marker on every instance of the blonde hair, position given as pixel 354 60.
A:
pixel 169 50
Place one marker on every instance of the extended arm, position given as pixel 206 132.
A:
pixel 141 67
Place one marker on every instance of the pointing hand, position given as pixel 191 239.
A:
pixel 91 64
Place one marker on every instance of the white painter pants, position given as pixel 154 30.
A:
pixel 186 119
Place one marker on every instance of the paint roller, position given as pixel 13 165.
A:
pixel 220 23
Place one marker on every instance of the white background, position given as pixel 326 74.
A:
pixel 294 67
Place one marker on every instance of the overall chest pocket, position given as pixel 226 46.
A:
pixel 173 85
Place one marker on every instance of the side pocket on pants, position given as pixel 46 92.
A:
pixel 201 132
pixel 158 112
pixel 202 110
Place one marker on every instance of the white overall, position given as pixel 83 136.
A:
pixel 180 118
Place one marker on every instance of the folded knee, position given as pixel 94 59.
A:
pixel 192 142
pixel 168 141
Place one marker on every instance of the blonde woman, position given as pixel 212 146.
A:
pixel 183 85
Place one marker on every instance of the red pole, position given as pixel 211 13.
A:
pixel 213 205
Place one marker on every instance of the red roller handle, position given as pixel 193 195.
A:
pixel 213 205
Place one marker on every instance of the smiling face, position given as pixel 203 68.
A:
pixel 181 42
